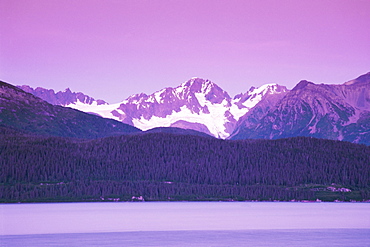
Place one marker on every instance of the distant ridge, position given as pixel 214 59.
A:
pixel 62 98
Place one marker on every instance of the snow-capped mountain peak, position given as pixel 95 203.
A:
pixel 255 95
pixel 210 90
pixel 197 104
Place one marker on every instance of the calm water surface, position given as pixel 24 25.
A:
pixel 185 224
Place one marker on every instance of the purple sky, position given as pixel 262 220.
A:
pixel 113 48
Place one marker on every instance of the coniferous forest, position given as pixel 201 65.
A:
pixel 162 166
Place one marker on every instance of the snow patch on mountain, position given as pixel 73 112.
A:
pixel 215 128
pixel 104 110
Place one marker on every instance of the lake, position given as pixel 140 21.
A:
pixel 185 224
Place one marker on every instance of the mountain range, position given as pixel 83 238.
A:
pixel 338 112
pixel 196 104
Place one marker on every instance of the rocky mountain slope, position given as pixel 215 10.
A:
pixel 23 111
pixel 338 112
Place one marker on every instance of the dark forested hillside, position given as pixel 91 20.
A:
pixel 25 112
pixel 162 166
pixel 177 131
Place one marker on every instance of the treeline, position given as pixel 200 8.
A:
pixel 89 190
pixel 162 166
